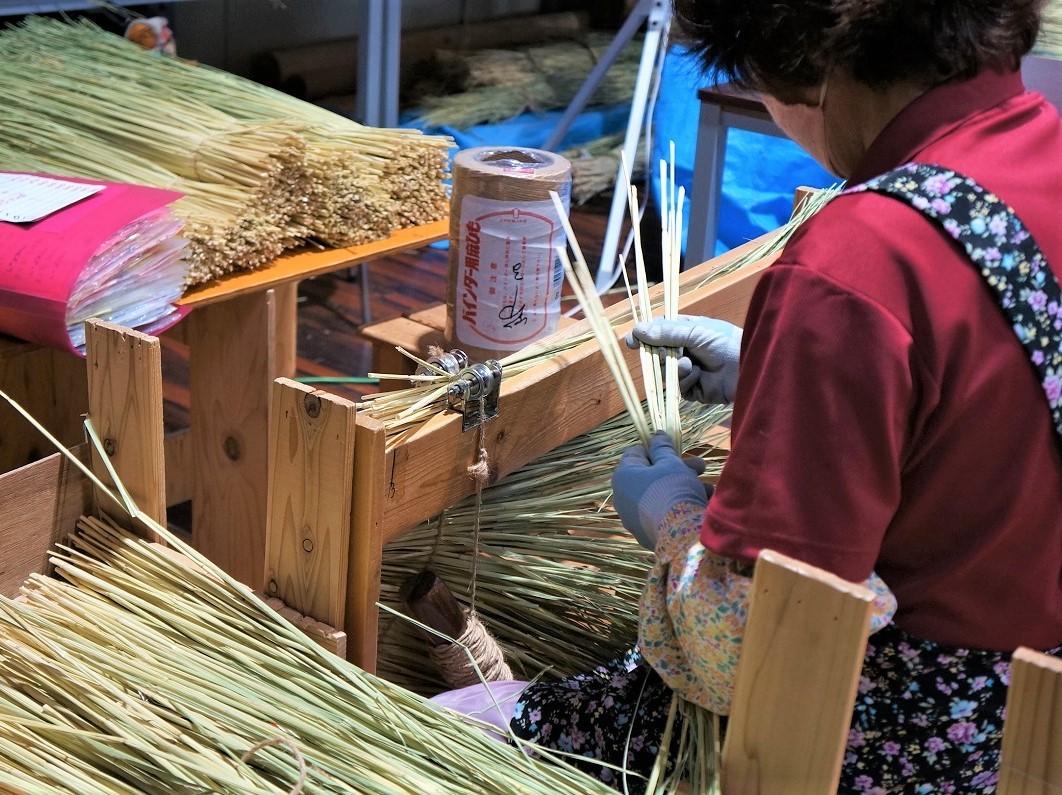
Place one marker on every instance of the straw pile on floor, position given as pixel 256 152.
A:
pixel 132 671
pixel 500 84
pixel 262 172
pixel 595 165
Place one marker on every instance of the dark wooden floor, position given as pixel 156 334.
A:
pixel 330 313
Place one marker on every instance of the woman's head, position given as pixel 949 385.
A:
pixel 786 48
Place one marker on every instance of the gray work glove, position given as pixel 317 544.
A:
pixel 708 367
pixel 648 482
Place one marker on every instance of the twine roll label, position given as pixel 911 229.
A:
pixel 509 283
pixel 506 277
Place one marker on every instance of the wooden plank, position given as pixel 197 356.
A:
pixel 1031 760
pixel 178 452
pixel 125 404
pixel 796 681
pixel 308 262
pixel 400 332
pixel 371 486
pixel 232 367
pixel 311 457
pixel 52 386
pixel 286 297
pixel 538 410
pixel 39 504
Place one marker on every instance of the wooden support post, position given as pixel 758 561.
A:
pixel 125 404
pixel 1031 761
pixel 796 681
pixel 287 332
pixel 232 360
pixel 372 485
pixel 311 455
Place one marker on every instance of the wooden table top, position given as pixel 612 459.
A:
pixel 306 262
pixel 730 97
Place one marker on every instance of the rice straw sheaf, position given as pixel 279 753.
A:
pixel 262 171
pixel 132 669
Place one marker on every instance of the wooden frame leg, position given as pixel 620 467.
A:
pixel 1031 759
pixel 232 360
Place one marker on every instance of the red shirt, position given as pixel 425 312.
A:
pixel 886 416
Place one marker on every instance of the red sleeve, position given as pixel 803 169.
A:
pixel 824 394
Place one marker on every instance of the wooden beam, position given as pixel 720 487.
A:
pixel 311 456
pixel 125 404
pixel 538 410
pixel 371 490
pixel 1031 760
pixel 796 682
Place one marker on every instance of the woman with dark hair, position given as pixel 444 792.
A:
pixel 897 392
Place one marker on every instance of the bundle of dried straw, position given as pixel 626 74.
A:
pixel 262 171
pixel 134 670
pixel 500 84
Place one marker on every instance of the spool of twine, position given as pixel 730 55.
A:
pixel 453 661
pixel 503 291
pixel 460 642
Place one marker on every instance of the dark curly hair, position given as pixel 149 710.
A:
pixel 781 47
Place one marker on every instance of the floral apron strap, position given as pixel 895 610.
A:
pixel 1004 253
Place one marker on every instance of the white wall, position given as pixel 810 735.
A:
pixel 229 33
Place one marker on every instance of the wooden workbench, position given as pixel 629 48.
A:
pixel 240 336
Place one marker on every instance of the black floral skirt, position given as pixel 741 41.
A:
pixel 928 719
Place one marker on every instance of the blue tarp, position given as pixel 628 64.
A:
pixel 760 171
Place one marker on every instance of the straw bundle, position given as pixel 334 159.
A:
pixel 263 171
pixel 1049 43
pixel 500 84
pixel 137 670
pixel 595 165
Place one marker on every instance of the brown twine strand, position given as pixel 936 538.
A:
pixel 300 783
pixel 480 472
pixel 454 664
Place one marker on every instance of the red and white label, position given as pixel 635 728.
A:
pixel 509 277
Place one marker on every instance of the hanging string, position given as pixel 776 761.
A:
pixel 480 472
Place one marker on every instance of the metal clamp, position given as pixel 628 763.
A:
pixel 473 387
pixel 475 393
pixel 452 362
